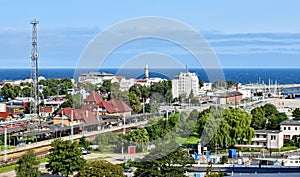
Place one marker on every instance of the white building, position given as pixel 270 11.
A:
pixel 270 139
pixel 125 84
pixel 95 77
pixel 290 128
pixel 185 83
pixel 246 93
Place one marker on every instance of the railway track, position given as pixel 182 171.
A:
pixel 42 148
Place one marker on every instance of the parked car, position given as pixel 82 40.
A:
pixel 85 151
pixel 128 170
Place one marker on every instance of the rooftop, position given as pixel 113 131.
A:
pixel 290 122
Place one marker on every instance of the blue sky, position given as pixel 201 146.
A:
pixel 249 33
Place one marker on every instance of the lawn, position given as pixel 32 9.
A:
pixel 4 169
pixel 189 140
pixel 10 167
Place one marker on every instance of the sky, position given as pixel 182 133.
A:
pixel 242 34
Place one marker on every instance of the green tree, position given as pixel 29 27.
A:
pixel 274 117
pixel 26 92
pixel 230 84
pixel 225 127
pixel 296 114
pixel 138 137
pixel 135 90
pixel 105 87
pixel 8 91
pixel 65 157
pixel 258 119
pixel 84 143
pixel 107 141
pixel 160 162
pixel 201 83
pixel 219 84
pixel 134 102
pixel 100 168
pixel 28 166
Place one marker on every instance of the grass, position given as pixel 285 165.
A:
pixel 189 140
pixel 285 148
pixel 11 166
pixel 99 158
pixel 7 168
pixel 8 147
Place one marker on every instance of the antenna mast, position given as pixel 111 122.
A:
pixel 34 66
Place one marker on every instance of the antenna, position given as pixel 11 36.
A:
pixel 34 67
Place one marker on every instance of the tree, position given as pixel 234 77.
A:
pixel 100 168
pixel 84 143
pixel 65 157
pixel 134 102
pixel 230 84
pixel 274 117
pixel 8 91
pixel 296 114
pixel 201 83
pixel 28 166
pixel 138 137
pixel 225 127
pixel 107 141
pixel 219 84
pixel 105 87
pixel 135 90
pixel 26 91
pixel 160 162
pixel 258 119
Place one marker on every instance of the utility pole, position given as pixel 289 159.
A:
pixel 5 145
pixel 72 127
pixel 124 128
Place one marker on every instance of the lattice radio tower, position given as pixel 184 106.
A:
pixel 34 67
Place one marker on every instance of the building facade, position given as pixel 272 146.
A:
pixel 184 84
pixel 290 128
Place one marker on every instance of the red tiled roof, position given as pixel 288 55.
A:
pixel 47 109
pixel 115 106
pixel 67 112
pixel 4 114
pixel 94 97
pixel 86 115
pixel 141 80
pixel 88 107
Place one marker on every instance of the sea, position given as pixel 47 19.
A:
pixel 240 75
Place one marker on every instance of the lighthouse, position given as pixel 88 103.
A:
pixel 146 72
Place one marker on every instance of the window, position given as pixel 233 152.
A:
pixel 284 128
pixel 289 128
pixel 295 128
pixel 273 137
pixel 265 136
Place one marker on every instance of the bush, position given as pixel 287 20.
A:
pixel 224 159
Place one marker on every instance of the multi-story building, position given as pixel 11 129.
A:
pixel 184 84
pixel 270 139
pixel 290 128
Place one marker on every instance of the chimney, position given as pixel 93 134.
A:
pixel 236 87
pixel 86 113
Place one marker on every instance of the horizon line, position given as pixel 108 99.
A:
pixel 155 68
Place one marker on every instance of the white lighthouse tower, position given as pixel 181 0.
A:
pixel 146 72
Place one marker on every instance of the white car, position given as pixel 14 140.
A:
pixel 85 151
